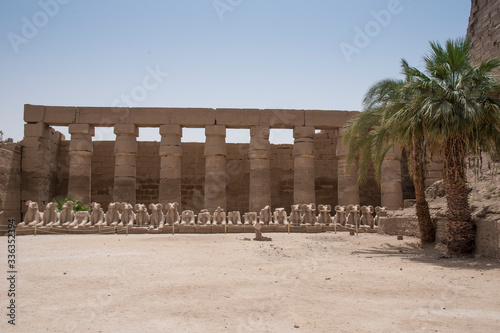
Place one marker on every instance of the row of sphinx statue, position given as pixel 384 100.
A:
pixel 121 214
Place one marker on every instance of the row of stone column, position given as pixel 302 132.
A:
pixel 216 178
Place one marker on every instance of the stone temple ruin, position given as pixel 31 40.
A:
pixel 199 177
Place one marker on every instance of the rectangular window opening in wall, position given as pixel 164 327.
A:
pixel 281 136
pixel 151 134
pixel 193 134
pixel 317 131
pixel 237 135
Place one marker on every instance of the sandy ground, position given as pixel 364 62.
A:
pixel 223 283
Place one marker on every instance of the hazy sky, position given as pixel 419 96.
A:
pixel 300 54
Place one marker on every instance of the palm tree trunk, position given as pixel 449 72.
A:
pixel 425 225
pixel 461 229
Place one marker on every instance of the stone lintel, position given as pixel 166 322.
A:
pixel 323 119
pixel 192 117
pixel 33 113
pixel 102 116
pixel 237 118
pixel 60 115
pixel 278 118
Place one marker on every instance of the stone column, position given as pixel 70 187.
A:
pixel 391 184
pixel 80 157
pixel 303 175
pixel 40 154
pixel 260 168
pixel 125 163
pixel 170 160
pixel 348 188
pixel 215 167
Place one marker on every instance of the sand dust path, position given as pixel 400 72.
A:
pixel 222 283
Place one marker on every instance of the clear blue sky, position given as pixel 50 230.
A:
pixel 223 53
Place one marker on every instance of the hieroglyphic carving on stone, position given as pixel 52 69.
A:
pixel 265 216
pixel 141 215
pixel 280 217
pixel 367 216
pixel 219 216
pixel 250 218
pixel 112 217
pixel 67 215
pixel 157 219
pixel 324 216
pixel 204 217
pixel 295 217
pixel 234 218
pixel 172 216
pixel 50 215
pixel 127 215
pixel 32 217
pixel 97 215
pixel 379 211
pixel 188 218
pixel 340 215
pixel 308 212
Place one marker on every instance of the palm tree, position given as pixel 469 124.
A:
pixel 459 114
pixel 372 133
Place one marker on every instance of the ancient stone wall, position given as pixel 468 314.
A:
pixel 40 163
pixel 243 177
pixel 193 174
pixel 10 180
pixel 325 167
pixel 484 29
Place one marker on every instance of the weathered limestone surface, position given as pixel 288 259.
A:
pixel 433 171
pixel 303 152
pixel 391 186
pixel 488 239
pixel 40 167
pixel 195 174
pixel 215 167
pixel 325 167
pixel 185 117
pixel 484 29
pixel 10 180
pixel 170 170
pixel 260 168
pixel 348 189
pixel 125 163
pixel 80 157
